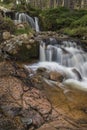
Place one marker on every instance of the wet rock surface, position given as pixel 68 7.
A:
pixel 31 103
pixel 19 100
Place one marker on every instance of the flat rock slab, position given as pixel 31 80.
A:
pixel 47 128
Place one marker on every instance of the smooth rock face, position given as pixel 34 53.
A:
pixel 25 107
pixel 19 100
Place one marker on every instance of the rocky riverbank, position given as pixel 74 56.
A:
pixel 28 103
pixel 25 47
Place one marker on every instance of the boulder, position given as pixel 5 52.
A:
pixel 6 35
pixel 20 26
pixel 31 41
pixel 19 47
pixel 56 76
pixel 31 35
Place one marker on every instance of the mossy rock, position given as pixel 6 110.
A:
pixel 7 24
pixel 25 54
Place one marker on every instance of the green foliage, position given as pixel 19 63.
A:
pixel 32 11
pixel 7 1
pixel 60 18
pixel 80 22
pixel 79 31
pixel 27 8
pixel 23 31
pixel 7 24
pixel 50 18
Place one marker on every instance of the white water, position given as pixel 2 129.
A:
pixel 68 54
pixel 37 25
pixel 23 17
pixel 67 58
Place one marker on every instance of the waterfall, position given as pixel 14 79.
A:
pixel 42 51
pixel 36 25
pixel 67 54
pixel 67 58
pixel 23 17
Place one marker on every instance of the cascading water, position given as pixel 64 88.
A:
pixel 67 58
pixel 23 17
pixel 36 24
pixel 68 54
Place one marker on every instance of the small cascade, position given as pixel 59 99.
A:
pixel 42 51
pixel 66 54
pixel 37 25
pixel 66 58
pixel 23 17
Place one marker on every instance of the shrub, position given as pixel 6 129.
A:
pixel 79 32
pixel 59 18
pixel 23 31
pixel 80 22
pixel 7 24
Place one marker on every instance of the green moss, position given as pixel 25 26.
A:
pixel 7 24
pixel 23 31
pixel 26 54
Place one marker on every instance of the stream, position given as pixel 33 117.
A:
pixel 67 58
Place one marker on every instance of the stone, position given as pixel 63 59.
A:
pixel 36 100
pixel 47 128
pixel 28 46
pixel 41 70
pixel 31 41
pixel 56 76
pixel 31 35
pixel 6 35
pixel 20 26
pixel 20 48
pixel 22 106
pixel 20 43
pixel 24 36
pixel 7 123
